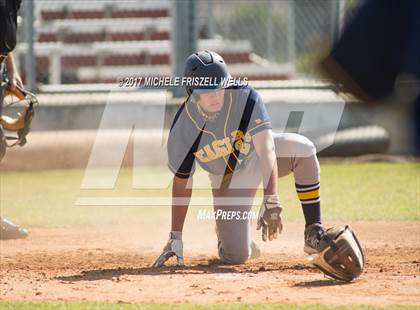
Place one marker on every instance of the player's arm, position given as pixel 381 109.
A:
pixel 13 73
pixel 181 196
pixel 10 123
pixel 264 146
pixel 269 218
pixel 181 163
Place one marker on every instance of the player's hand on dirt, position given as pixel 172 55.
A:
pixel 269 218
pixel 174 247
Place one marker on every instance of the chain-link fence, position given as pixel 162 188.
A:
pixel 291 33
pixel 97 41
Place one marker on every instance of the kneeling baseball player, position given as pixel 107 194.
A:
pixel 227 130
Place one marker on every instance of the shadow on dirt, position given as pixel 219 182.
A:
pixel 211 267
pixel 320 283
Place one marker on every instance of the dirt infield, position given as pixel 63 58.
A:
pixel 112 264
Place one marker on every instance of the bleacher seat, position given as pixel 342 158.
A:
pixel 135 13
pixel 95 40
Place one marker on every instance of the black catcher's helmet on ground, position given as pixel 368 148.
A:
pixel 206 64
pixel 343 259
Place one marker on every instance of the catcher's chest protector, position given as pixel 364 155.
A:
pixel 343 259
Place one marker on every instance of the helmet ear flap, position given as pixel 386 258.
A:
pixel 195 96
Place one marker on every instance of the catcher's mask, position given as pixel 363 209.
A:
pixel 343 259
pixel 25 99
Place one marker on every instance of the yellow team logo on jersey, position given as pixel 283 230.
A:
pixel 224 147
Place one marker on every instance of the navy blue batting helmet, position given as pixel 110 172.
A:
pixel 206 64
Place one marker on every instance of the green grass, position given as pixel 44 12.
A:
pixel 99 306
pixel 368 191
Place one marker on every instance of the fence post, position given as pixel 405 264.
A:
pixel 342 15
pixel 29 39
pixel 184 39
pixel 55 65
pixel 270 31
pixel 291 34
pixel 210 19
pixel 338 15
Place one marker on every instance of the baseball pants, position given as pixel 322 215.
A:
pixel 233 195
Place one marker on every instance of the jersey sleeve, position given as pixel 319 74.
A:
pixel 259 120
pixel 181 160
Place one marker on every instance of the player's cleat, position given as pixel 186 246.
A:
pixel 255 251
pixel 315 241
pixel 9 230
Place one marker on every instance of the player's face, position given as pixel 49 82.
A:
pixel 212 101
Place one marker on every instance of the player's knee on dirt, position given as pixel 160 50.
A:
pixel 234 255
pixel 234 235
